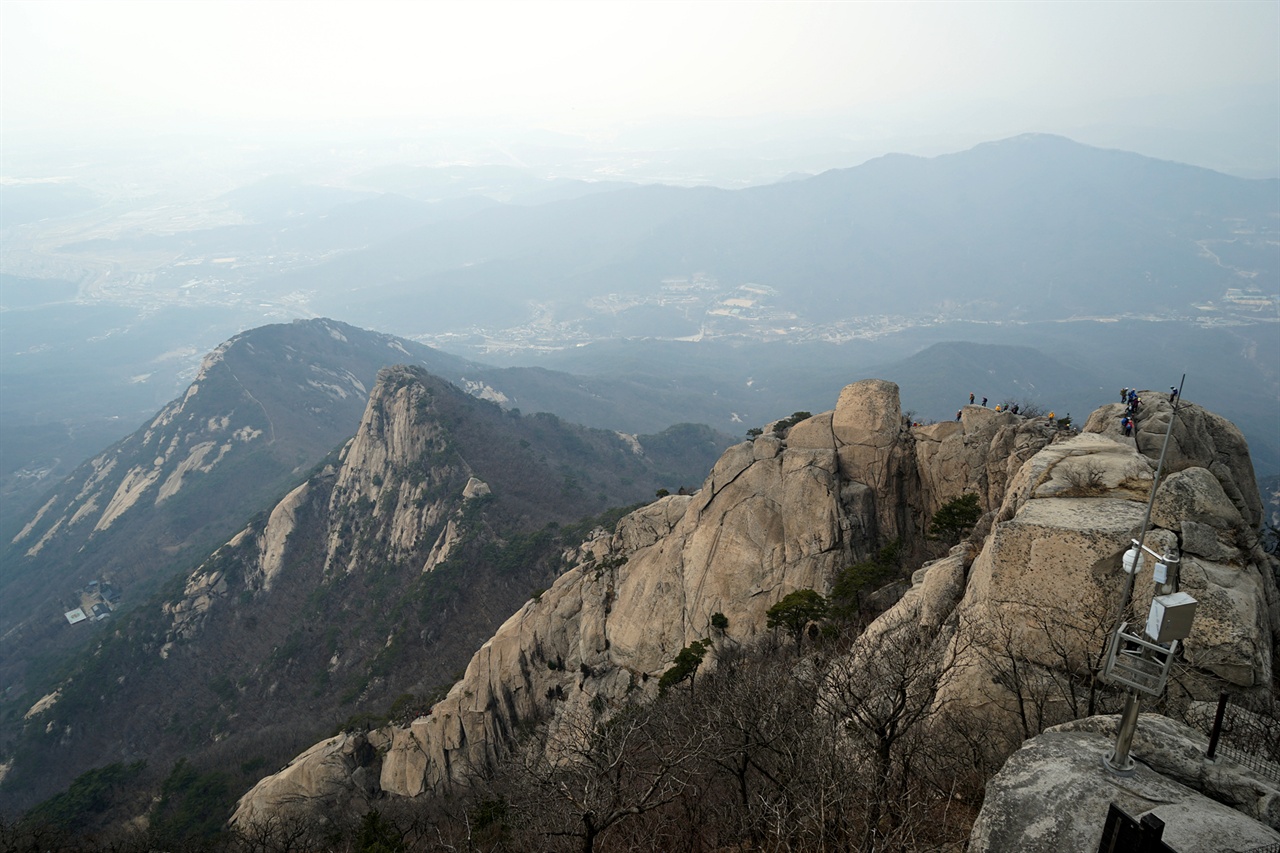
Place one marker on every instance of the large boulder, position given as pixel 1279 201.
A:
pixel 1052 795
pixel 1046 588
pixel 340 773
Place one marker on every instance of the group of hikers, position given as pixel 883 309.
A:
pixel 1013 408
pixel 1131 400
pixel 1128 396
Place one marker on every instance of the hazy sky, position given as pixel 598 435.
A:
pixel 77 65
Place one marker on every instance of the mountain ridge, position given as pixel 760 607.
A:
pixel 1033 227
pixel 440 515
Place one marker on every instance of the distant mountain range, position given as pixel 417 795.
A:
pixel 1030 228
pixel 886 258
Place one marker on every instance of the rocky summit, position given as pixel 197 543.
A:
pixel 1034 588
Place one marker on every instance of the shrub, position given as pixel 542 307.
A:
pixel 685 666
pixel 795 611
pixel 850 583
pixel 955 517
pixel 781 427
pixel 1085 480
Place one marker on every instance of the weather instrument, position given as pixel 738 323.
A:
pixel 1140 660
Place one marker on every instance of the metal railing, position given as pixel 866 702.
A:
pixel 1249 736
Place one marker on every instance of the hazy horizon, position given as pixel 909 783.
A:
pixel 1196 82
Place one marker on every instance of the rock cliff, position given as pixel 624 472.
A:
pixel 404 491
pixel 369 583
pixel 1045 587
pixel 265 407
pixel 774 515
pixel 782 513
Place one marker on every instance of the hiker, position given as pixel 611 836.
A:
pixel 1124 394
pixel 970 398
pixel 984 402
pixel 958 413
pixel 1127 425
pixel 1014 409
pixel 1051 419
pixel 997 408
pixel 1173 393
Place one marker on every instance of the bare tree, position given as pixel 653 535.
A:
pixel 581 777
pixel 276 833
pixel 1044 663
pixel 883 696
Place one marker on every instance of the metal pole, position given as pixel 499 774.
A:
pixel 1146 519
pixel 1119 761
pixel 1217 726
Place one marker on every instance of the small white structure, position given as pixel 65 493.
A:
pixel 74 616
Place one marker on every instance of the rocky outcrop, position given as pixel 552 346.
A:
pixel 398 480
pixel 264 408
pixel 783 513
pixel 980 454
pixel 774 515
pixel 397 487
pixel 280 525
pixel 1042 595
pixel 1053 794
pixel 313 777
pixel 255 557
pixel 179 441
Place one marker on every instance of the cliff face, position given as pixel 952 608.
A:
pixel 404 491
pixel 374 579
pixel 1050 578
pixel 774 515
pixel 265 407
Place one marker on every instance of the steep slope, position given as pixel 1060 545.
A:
pixel 773 516
pixel 266 406
pixel 780 514
pixel 374 579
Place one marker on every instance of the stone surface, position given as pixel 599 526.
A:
pixel 1050 569
pixel 1200 439
pixel 1195 494
pixel 327 774
pixel 280 525
pixel 395 434
pixel 980 454
pixel 1052 795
